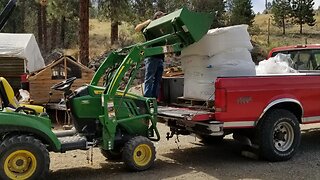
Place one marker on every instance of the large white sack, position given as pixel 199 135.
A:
pixel 199 77
pixel 235 62
pixel 219 40
pixel 280 64
pixel 232 56
pixel 199 83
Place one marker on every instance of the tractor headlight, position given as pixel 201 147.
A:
pixel 102 100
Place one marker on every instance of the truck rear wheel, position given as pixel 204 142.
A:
pixel 279 135
pixel 139 153
pixel 23 157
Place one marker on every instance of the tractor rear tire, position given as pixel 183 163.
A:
pixel 139 153
pixel 23 157
pixel 279 135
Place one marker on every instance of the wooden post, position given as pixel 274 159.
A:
pixel 65 67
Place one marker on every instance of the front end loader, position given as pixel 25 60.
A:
pixel 121 124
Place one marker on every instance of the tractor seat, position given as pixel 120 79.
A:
pixel 9 101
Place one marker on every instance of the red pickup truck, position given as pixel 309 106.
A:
pixel 262 111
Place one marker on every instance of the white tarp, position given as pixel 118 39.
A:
pixel 23 46
pixel 280 64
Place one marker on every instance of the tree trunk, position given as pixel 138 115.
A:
pixel 114 32
pixel 283 26
pixel 54 28
pixel 40 33
pixel 300 28
pixel 23 12
pixel 44 30
pixel 84 32
pixel 63 32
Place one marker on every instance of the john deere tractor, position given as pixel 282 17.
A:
pixel 121 124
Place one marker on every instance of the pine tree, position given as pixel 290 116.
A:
pixel 116 11
pixel 281 10
pixel 302 13
pixel 63 22
pixel 169 6
pixel 242 12
pixel 214 6
pixel 142 10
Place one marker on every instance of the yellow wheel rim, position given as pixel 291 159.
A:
pixel 20 164
pixel 142 155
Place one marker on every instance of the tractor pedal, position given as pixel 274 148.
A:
pixel 73 142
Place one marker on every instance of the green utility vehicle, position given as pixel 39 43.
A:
pixel 122 125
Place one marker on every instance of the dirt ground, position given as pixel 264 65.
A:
pixel 190 159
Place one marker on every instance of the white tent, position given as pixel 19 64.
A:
pixel 23 46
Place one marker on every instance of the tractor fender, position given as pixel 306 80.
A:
pixel 31 124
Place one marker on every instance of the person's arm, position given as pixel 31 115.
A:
pixel 142 25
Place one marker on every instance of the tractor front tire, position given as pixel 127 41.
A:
pixel 279 135
pixel 23 157
pixel 139 153
pixel 112 155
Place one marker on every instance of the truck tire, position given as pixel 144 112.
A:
pixel 23 157
pixel 279 135
pixel 139 153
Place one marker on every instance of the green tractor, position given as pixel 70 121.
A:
pixel 121 124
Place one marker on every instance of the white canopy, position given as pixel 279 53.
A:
pixel 23 46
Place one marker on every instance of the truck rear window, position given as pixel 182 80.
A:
pixel 306 59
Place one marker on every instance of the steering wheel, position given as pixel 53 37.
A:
pixel 64 85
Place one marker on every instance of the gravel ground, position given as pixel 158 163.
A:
pixel 190 159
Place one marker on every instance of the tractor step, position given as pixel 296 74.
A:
pixel 64 133
pixel 73 142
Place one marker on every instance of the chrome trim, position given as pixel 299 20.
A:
pixel 310 119
pixel 281 101
pixel 239 124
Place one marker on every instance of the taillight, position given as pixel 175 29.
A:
pixel 220 100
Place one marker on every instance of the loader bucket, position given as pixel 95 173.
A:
pixel 190 27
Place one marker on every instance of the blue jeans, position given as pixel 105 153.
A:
pixel 153 76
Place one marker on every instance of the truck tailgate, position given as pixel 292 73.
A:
pixel 184 121
pixel 185 113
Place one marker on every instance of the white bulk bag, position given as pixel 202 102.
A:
pixel 219 40
pixel 200 72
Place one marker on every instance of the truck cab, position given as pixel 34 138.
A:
pixel 305 57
